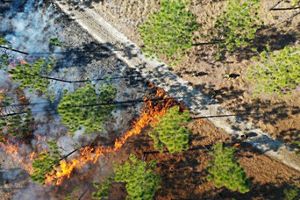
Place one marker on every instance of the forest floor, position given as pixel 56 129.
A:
pixel 275 115
pixel 184 175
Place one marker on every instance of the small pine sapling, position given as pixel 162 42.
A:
pixel 169 32
pixel 276 72
pixel 237 25
pixel 102 190
pixel 44 163
pixel 31 75
pixel 170 131
pixel 139 177
pixel 81 108
pixel 225 171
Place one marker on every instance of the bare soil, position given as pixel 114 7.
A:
pixel 276 115
pixel 184 174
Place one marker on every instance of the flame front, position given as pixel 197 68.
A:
pixel 149 116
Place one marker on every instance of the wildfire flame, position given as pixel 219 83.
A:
pixel 13 150
pixel 149 116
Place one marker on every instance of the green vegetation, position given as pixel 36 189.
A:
pixel 171 132
pixel 19 125
pixel 237 25
pixel 55 42
pixel 102 190
pixel 141 181
pixel 276 72
pixel 292 193
pixel 30 75
pixel 3 41
pixel 81 108
pixel 169 32
pixel 45 162
pixel 4 62
pixel 295 2
pixel 225 171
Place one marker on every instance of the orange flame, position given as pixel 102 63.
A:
pixel 13 150
pixel 149 115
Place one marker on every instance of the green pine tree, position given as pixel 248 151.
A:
pixel 44 163
pixel 19 125
pixel 295 2
pixel 276 72
pixel 226 172
pixel 3 41
pixel 170 131
pixel 76 108
pixel 139 177
pixel 31 75
pixel 102 190
pixel 237 25
pixel 291 193
pixel 169 32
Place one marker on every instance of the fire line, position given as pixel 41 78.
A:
pixel 150 113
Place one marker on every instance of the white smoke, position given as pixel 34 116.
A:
pixel 31 29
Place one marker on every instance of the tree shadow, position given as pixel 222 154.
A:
pixel 81 56
pixel 265 111
pixel 291 135
pixel 268 37
pixel 81 4
pixel 258 191
pixel 220 95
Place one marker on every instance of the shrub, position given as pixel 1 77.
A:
pixel 29 75
pixel 76 109
pixel 4 62
pixel 19 125
pixel 3 41
pixel 225 171
pixel 276 72
pixel 170 131
pixel 141 182
pixel 102 190
pixel 55 42
pixel 169 32
pixel 291 193
pixel 295 2
pixel 45 162
pixel 237 25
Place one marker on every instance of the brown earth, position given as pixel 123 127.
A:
pixel 278 116
pixel 184 174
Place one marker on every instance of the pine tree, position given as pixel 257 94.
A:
pixel 291 193
pixel 170 131
pixel 295 2
pixel 237 25
pixel 276 72
pixel 19 125
pixel 30 75
pixel 77 111
pixel 169 32
pixel 102 190
pixel 139 177
pixel 3 41
pixel 225 171
pixel 45 162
